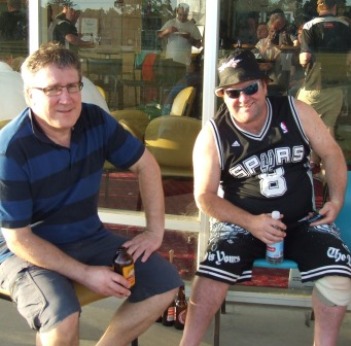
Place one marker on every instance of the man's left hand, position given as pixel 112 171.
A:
pixel 144 244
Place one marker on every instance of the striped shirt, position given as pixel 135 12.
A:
pixel 55 189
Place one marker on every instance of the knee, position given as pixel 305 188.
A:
pixel 66 332
pixel 333 290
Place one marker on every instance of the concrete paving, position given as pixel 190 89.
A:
pixel 242 325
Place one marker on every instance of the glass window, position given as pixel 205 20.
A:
pixel 13 32
pixel 151 82
pixel 274 32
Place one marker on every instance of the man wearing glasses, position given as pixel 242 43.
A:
pixel 252 159
pixel 51 161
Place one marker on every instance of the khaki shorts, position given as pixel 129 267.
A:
pixel 44 298
pixel 326 102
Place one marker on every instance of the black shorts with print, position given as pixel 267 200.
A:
pixel 231 251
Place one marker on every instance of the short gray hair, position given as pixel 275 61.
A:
pixel 50 53
pixel 184 6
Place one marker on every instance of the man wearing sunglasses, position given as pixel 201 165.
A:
pixel 253 158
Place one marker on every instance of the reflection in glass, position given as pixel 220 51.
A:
pixel 13 33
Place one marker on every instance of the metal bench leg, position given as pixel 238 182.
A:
pixel 217 327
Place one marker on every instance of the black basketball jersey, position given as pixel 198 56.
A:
pixel 269 171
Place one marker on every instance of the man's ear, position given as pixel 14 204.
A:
pixel 28 95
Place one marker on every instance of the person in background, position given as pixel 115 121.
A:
pixel 247 33
pixel 65 31
pixel 91 94
pixel 325 54
pixel 13 23
pixel 12 100
pixel 284 36
pixel 281 32
pixel 51 164
pixel 261 31
pixel 193 77
pixel 253 158
pixel 181 34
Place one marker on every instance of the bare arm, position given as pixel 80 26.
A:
pixel 28 246
pixel 167 31
pixel 304 58
pixel 151 189
pixel 77 41
pixel 206 183
pixel 332 158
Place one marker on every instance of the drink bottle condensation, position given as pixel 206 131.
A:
pixel 123 264
pixel 275 252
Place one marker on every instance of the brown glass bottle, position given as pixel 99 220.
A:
pixel 181 307
pixel 168 314
pixel 123 264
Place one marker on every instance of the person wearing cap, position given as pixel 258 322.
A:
pixel 181 34
pixel 325 55
pixel 251 159
pixel 65 31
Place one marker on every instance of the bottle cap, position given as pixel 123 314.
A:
pixel 275 215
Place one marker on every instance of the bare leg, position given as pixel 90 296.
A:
pixel 66 333
pixel 132 319
pixel 206 298
pixel 327 322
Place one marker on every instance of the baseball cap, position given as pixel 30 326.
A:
pixel 240 66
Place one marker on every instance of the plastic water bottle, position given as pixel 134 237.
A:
pixel 275 252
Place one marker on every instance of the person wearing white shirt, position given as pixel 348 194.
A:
pixel 12 101
pixel 181 34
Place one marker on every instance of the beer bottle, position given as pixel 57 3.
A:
pixel 168 314
pixel 180 308
pixel 123 264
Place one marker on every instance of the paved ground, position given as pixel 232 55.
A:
pixel 243 325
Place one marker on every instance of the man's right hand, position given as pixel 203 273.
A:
pixel 266 229
pixel 103 280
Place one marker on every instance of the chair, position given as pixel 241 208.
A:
pixel 343 221
pixel 101 91
pixel 183 102
pixel 171 139
pixel 134 120
pixel 142 76
pixel 85 297
pixel 106 73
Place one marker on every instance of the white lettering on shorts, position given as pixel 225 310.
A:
pixel 338 256
pixel 220 257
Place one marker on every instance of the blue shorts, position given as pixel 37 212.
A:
pixel 231 251
pixel 44 298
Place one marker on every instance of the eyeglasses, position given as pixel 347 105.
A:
pixel 56 90
pixel 249 90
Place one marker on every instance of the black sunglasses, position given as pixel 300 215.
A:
pixel 249 90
